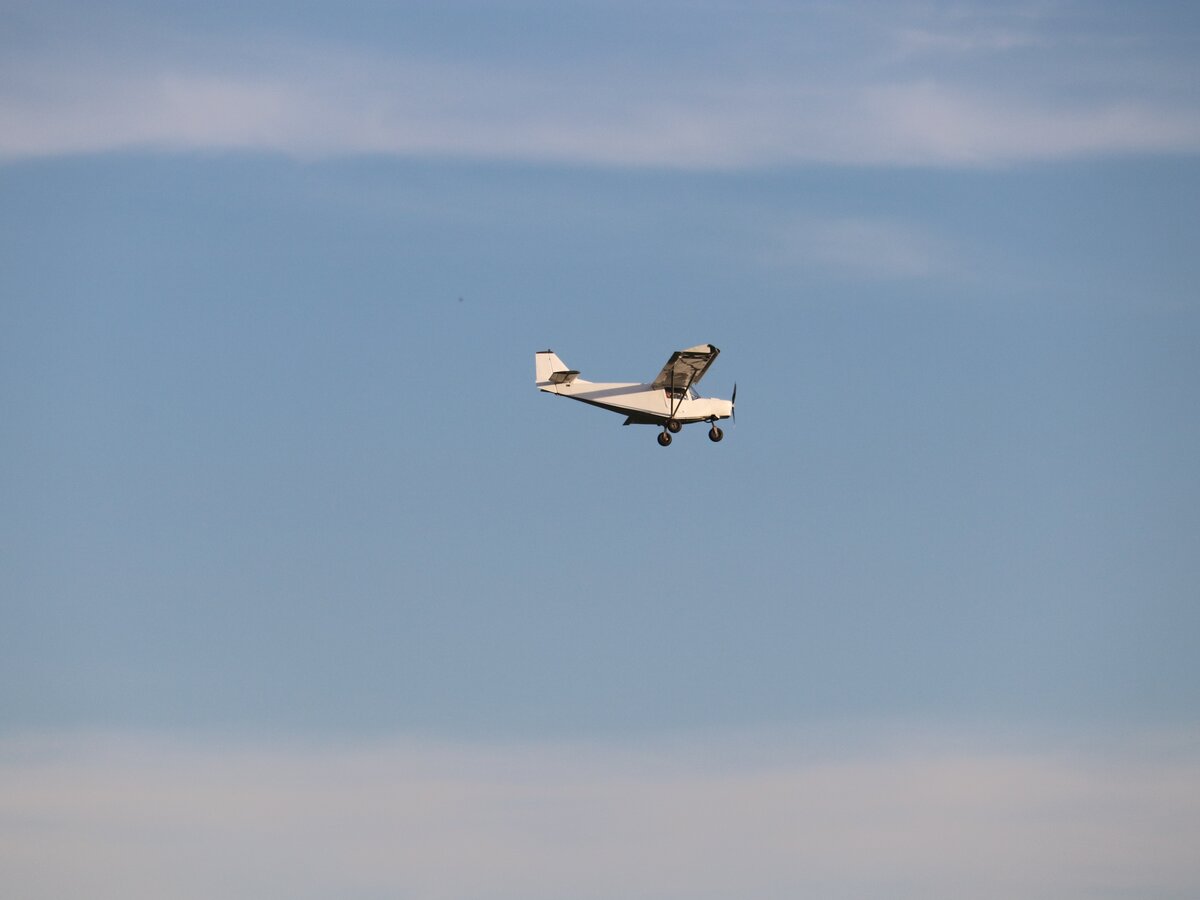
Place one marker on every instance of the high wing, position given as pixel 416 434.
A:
pixel 686 367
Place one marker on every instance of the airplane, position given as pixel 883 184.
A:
pixel 670 400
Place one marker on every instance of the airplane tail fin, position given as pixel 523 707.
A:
pixel 550 370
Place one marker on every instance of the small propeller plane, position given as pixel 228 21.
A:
pixel 669 401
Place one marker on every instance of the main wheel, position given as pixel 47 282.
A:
pixel 715 434
pixel 664 439
pixel 673 426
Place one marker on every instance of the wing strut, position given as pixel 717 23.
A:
pixel 677 402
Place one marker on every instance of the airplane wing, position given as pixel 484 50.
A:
pixel 686 367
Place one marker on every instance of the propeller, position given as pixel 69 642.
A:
pixel 733 404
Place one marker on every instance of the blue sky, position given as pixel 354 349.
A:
pixel 282 506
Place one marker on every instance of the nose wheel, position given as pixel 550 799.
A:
pixel 715 434
pixel 664 439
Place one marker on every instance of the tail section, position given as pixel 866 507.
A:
pixel 551 371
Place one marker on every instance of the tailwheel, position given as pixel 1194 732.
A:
pixel 664 439
pixel 673 426
pixel 715 434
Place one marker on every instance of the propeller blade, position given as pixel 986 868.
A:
pixel 733 403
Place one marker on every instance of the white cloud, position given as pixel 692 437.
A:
pixel 908 89
pixel 929 123
pixel 438 111
pixel 135 817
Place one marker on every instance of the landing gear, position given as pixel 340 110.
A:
pixel 715 434
pixel 674 426
pixel 664 439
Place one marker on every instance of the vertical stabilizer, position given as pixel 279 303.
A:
pixel 549 369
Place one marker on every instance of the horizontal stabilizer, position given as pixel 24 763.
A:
pixel 565 377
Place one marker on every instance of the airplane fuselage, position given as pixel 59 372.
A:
pixel 644 404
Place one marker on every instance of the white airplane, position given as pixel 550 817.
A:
pixel 670 400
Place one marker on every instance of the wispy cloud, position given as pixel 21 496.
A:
pixel 919 41
pixel 865 247
pixel 931 123
pixel 899 88
pixel 135 817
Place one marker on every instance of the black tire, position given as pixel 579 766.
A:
pixel 664 439
pixel 715 434
pixel 674 425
